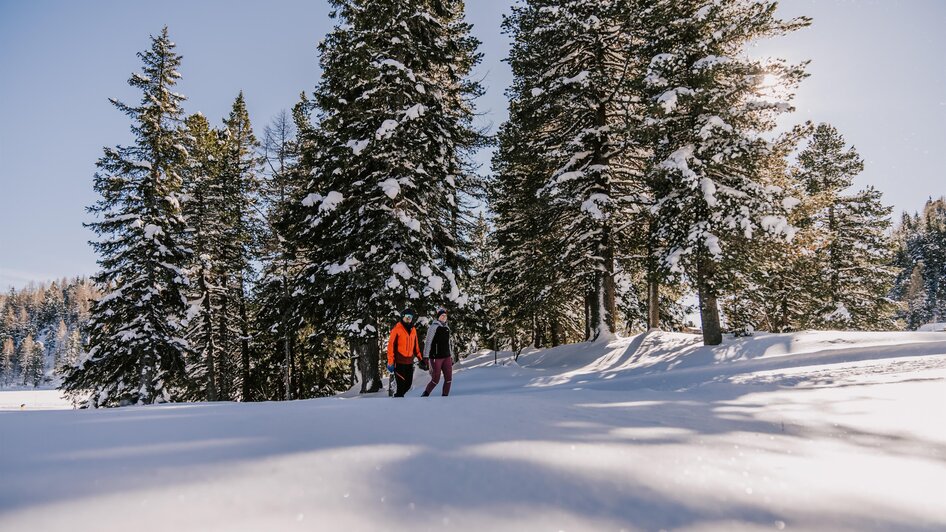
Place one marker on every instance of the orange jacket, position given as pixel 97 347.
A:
pixel 403 344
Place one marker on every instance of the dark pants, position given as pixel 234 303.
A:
pixel 404 375
pixel 436 366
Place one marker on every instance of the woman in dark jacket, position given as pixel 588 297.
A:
pixel 437 352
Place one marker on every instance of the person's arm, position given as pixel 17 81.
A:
pixel 431 332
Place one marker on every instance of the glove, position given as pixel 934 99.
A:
pixel 390 368
pixel 423 365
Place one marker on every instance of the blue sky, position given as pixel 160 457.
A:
pixel 877 74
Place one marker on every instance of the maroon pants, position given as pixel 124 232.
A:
pixel 436 366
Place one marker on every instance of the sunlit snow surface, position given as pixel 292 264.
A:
pixel 809 431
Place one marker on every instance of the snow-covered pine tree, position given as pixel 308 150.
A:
pixel 379 228
pixel 921 262
pixel 850 248
pixel 712 107
pixel 772 288
pixel 529 279
pixel 859 257
pixel 59 345
pixel 136 347
pixel 572 63
pixel 239 168
pixel 203 210
pixel 7 361
pixel 73 351
pixel 304 359
pixel 526 278
pixel 31 361
pixel 915 299
pixel 934 230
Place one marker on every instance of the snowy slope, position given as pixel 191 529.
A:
pixel 810 431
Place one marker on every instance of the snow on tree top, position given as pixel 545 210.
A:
pixel 357 146
pixel 415 112
pixel 679 160
pixel 709 191
pixel 790 203
pixel 412 223
pixel 390 187
pixel 386 130
pixel 152 230
pixel 669 99
pixel 710 61
pixel 713 122
pixel 401 268
pixel 349 265
pixel 580 78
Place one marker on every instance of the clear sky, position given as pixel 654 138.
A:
pixel 877 73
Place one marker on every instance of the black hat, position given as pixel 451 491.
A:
pixel 407 311
pixel 440 311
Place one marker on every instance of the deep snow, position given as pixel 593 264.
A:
pixel 809 431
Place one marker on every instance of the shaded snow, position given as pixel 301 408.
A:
pixel 805 431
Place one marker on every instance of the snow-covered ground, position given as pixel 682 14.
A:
pixel 808 431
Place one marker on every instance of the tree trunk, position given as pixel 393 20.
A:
pixel 608 287
pixel 244 342
pixel 589 317
pixel 709 308
pixel 556 333
pixel 653 283
pixel 211 346
pixel 358 346
pixel 374 361
pixel 605 289
pixel 223 384
pixel 653 303
pixel 287 351
pixel 368 361
pixel 833 260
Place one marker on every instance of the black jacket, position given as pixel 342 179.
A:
pixel 437 342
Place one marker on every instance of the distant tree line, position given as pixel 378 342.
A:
pixel 41 330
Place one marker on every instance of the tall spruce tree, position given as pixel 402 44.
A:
pixel 203 183
pixel 571 108
pixel 711 108
pixel 137 349
pixel 240 191
pixel 379 228
pixel 850 248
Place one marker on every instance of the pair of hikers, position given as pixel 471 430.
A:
pixel 403 347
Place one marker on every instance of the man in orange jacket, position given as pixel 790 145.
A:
pixel 402 348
